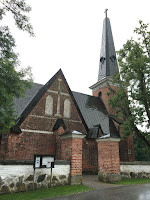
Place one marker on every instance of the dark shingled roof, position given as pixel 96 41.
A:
pixel 21 103
pixel 92 110
pixel 95 114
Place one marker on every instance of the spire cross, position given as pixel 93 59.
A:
pixel 106 12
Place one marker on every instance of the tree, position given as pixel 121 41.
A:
pixel 19 9
pixel 132 99
pixel 142 151
pixel 13 82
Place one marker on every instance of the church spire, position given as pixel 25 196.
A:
pixel 108 62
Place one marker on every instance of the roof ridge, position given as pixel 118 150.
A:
pixel 81 93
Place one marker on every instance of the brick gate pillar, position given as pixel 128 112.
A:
pixel 71 149
pixel 108 159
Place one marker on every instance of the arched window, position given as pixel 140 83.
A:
pixel 100 94
pixel 67 105
pixel 49 105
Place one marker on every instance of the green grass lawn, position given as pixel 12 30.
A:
pixel 133 181
pixel 46 193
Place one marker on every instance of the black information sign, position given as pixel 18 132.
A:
pixel 44 161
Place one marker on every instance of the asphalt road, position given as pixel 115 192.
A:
pixel 130 192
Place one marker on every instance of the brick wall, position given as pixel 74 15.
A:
pixel 57 134
pixel 66 149
pixel 25 145
pixel 90 156
pixel 126 144
pixel 123 150
pixel 131 156
pixel 76 161
pixel 104 90
pixel 108 157
pixel 32 140
pixel 126 148
pixel 3 146
pixel 71 149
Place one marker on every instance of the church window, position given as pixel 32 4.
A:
pixel 67 105
pixel 102 60
pixel 100 94
pixel 113 58
pixel 129 151
pixel 49 105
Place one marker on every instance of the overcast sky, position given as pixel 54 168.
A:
pixel 68 36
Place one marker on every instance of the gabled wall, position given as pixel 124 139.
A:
pixel 37 135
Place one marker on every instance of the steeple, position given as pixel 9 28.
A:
pixel 108 61
pixel 107 65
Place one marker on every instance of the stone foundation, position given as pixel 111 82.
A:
pixel 109 178
pixel 17 178
pixel 76 180
pixel 135 170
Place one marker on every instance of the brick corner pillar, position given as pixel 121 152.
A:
pixel 71 149
pixel 108 159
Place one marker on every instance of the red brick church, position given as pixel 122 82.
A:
pixel 54 120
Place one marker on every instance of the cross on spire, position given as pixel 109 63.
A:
pixel 106 12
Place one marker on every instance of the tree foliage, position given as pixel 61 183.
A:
pixel 142 151
pixel 132 99
pixel 13 82
pixel 19 10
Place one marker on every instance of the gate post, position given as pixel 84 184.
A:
pixel 71 149
pixel 108 159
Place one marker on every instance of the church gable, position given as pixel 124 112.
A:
pixel 55 102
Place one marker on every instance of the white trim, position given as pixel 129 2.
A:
pixel 67 108
pixel 55 118
pixel 49 105
pixel 72 136
pixel 78 136
pixel 36 131
pixel 52 91
pixel 108 140
pixel 101 83
pixel 77 132
pixel 40 116
pixel 71 120
pixel 105 79
pixel 57 115
pixel 64 94
pixel 56 92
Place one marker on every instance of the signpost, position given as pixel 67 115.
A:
pixel 43 161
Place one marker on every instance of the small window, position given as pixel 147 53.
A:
pixel 67 105
pixel 102 60
pixel 100 94
pixel 129 151
pixel 49 105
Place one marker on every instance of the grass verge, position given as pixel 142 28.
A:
pixel 46 193
pixel 133 181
